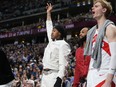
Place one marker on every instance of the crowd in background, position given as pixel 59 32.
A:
pixel 41 23
pixel 26 63
pixel 26 58
pixel 16 8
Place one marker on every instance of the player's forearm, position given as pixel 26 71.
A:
pixel 48 15
pixel 112 66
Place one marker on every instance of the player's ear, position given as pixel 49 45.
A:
pixel 104 10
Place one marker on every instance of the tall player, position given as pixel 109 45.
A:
pixel 101 45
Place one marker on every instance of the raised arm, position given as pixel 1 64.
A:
pixel 49 24
pixel 49 8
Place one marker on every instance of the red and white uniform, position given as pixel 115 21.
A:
pixel 96 77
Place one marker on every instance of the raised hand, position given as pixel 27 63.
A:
pixel 49 7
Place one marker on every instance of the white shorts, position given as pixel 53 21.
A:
pixel 97 78
pixel 49 79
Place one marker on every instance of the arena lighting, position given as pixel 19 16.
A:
pixel 89 1
pixel 23 41
pixel 78 4
pixel 83 3
pixel 76 35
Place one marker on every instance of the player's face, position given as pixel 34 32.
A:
pixel 98 11
pixel 55 34
pixel 83 32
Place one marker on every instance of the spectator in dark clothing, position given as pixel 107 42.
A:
pixel 6 75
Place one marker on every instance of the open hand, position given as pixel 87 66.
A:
pixel 49 7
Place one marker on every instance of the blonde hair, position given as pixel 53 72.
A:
pixel 105 4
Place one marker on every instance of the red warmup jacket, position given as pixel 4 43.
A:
pixel 82 65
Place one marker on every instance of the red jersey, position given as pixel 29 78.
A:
pixel 82 65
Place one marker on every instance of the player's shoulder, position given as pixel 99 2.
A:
pixel 111 28
pixel 111 32
pixel 64 43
